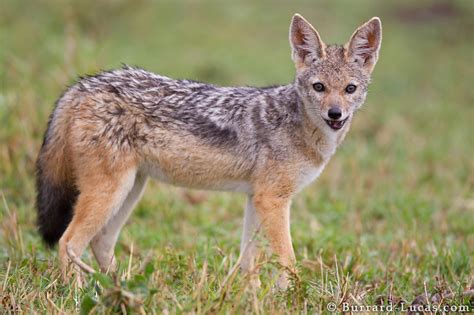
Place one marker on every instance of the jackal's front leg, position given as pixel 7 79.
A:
pixel 273 209
pixel 249 244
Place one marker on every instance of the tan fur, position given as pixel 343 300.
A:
pixel 179 157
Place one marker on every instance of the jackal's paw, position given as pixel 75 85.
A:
pixel 283 282
pixel 252 276
pixel 109 266
pixel 72 275
pixel 255 282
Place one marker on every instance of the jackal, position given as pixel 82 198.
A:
pixel 109 132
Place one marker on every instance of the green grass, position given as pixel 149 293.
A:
pixel 391 216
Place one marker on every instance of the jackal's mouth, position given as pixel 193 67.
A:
pixel 336 124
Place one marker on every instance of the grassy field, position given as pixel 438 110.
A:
pixel 391 218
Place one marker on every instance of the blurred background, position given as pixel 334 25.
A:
pixel 395 204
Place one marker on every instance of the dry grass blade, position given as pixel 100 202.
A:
pixel 202 280
pixel 5 281
pixel 56 308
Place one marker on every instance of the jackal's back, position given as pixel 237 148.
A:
pixel 218 115
pixel 184 126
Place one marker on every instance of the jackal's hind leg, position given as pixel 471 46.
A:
pixel 101 196
pixel 103 244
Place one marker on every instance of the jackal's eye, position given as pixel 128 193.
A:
pixel 351 88
pixel 319 87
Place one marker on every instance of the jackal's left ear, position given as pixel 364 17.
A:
pixel 306 44
pixel 364 45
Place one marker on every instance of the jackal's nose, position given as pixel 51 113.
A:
pixel 334 112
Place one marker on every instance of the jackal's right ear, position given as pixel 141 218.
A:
pixel 306 44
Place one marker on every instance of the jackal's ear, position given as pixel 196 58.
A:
pixel 305 42
pixel 364 45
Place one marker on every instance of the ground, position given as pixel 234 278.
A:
pixel 391 218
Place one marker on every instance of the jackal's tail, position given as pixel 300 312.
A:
pixel 56 191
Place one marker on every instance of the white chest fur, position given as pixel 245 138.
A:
pixel 307 175
pixel 326 148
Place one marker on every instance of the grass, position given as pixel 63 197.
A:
pixel 391 218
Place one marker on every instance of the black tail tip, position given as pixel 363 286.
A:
pixel 55 208
pixel 50 238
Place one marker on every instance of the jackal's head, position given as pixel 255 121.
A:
pixel 332 80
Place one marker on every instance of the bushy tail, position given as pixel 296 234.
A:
pixel 56 191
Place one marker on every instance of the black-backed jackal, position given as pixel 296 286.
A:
pixel 111 131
